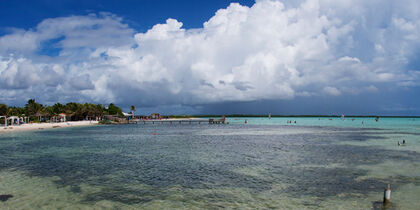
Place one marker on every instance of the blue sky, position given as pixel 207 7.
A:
pixel 214 57
pixel 140 14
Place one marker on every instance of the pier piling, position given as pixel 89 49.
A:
pixel 387 195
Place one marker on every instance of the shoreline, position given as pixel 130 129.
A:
pixel 42 126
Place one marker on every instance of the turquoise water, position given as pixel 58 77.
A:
pixel 266 163
pixel 406 124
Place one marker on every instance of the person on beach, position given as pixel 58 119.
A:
pixel 399 144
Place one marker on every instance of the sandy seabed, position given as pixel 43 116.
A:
pixel 40 126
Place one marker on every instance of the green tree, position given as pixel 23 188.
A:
pixel 4 109
pixel 48 111
pixel 100 110
pixel 16 111
pixel 89 111
pixel 114 110
pixel 33 108
pixel 58 108
pixel 74 110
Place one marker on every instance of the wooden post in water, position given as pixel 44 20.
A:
pixel 387 195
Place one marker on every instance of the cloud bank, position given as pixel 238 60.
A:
pixel 272 50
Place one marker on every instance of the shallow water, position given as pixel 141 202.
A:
pixel 265 163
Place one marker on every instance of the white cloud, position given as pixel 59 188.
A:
pixel 332 91
pixel 272 50
pixel 88 32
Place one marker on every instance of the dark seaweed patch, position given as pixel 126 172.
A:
pixel 4 198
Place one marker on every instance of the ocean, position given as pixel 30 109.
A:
pixel 315 163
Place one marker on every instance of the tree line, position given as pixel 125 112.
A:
pixel 73 111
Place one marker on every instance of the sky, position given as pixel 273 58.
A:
pixel 352 57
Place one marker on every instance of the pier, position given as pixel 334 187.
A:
pixel 179 121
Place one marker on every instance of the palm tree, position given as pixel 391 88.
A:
pixel 74 111
pixel 133 109
pixel 33 108
pixel 4 109
pixel 48 112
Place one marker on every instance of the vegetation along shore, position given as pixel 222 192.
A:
pixel 38 116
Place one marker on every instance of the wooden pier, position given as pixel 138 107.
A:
pixel 179 121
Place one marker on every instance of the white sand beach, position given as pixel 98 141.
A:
pixel 40 126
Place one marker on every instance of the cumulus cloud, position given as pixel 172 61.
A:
pixel 272 50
